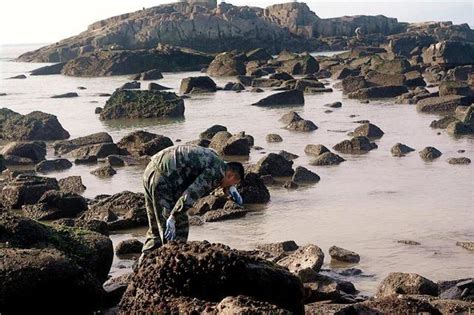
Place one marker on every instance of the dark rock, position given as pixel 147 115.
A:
pixel 290 185
pixel 86 160
pixel 343 73
pixel 281 76
pixel 115 288
pixel 211 132
pixel 325 288
pixel 202 83
pixel 157 87
pixel 127 247
pixel 368 130
pixel 224 214
pixel 256 90
pixel 454 88
pixel 442 103
pixel 304 64
pixel 352 84
pixel 334 105
pixel 142 104
pixel 91 225
pixel 66 95
pixel 150 75
pixel 273 137
pixel 459 128
pixel 48 70
pixel 52 165
pixel 226 64
pixel 101 150
pixel 343 255
pixel 414 78
pixel 275 165
pixel 400 150
pixel 265 83
pixel 20 76
pixel 293 97
pixel 443 123
pixel 304 85
pixel 245 80
pixel 430 153
pixel 290 117
pixel 408 242
pixel 394 66
pixel 375 78
pixel 104 171
pixel 327 158
pixel 2 163
pixel 303 175
pixel 98 110
pixel 356 145
pixel 400 305
pixel 449 54
pixel 66 146
pixel 406 283
pixel 253 190
pixel 288 155
pixel 72 184
pixel 13 160
pixel 26 190
pixel 302 125
pixel 459 161
pixel 33 126
pixel 226 144
pixel 35 151
pixel 55 205
pixel 379 92
pixel 315 149
pixel 139 143
pixel 244 305
pixel 208 203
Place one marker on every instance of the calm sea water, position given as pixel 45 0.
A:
pixel 364 204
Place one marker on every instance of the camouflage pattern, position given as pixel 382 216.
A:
pixel 173 180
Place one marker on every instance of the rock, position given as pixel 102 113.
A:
pixel 20 76
pixel 353 84
pixel 66 146
pixel 465 114
pixel 443 123
pixel 449 54
pixel 302 125
pixel 26 190
pixel 379 92
pixel 127 247
pixel 104 171
pixel 325 288
pixel 406 283
pixel 281 76
pixel 245 80
pixel 454 88
pixel 334 105
pixel 368 130
pixel 303 175
pixel 156 87
pixel 227 64
pixel 265 83
pixel 414 78
pixel 289 184
pixel 139 143
pixel 66 95
pixel 430 153
pixel 393 66
pixel 442 103
pixel 13 160
pixel 231 86
pixel 224 214
pixel 72 184
pixel 276 251
pixel 86 160
pixel 115 288
pixel 466 245
pixel 49 70
pixel 304 84
pixel 260 54
pixel 215 267
pixel 226 144
pixel 343 73
pixel 245 305
pixel 256 90
pixel 305 260
pixel 35 151
pixel 315 149
pixel 290 117
pixel 327 158
pixel 375 78
pixel 53 165
pixel 134 85
pixel 400 305
pixel 55 205
pixel 253 190
pixel 151 75
pixel 356 145
pixel 458 128
pixel 304 64
pixel 293 97
pixel 2 163
pixel 288 155
pixel 400 150
pixel 273 137
pixel 207 203
pixel 211 132
pixel 459 161
pixel 33 126
pixel 343 255
pixel 408 242
pixel 142 104
pixel 275 165
pixel 202 83
pixel 101 150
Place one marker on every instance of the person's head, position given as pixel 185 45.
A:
pixel 234 173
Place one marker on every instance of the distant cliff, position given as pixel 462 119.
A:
pixel 204 26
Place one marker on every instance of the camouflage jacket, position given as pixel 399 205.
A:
pixel 191 172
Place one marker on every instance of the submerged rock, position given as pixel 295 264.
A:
pixel 326 159
pixel 356 145
pixel 400 150
pixel 304 176
pixel 343 255
pixel 430 153
pixel 66 95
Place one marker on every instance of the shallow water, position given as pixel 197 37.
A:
pixel 365 204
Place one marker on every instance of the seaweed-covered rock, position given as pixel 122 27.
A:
pixel 142 104
pixel 356 145
pixel 141 142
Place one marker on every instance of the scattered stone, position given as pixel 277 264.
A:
pixel 52 165
pixel 400 150
pixel 459 161
pixel 72 184
pixel 128 247
pixel 66 146
pixel 104 171
pixel 343 255
pixel 305 176
pixel 430 153
pixel 406 283
pixel 273 137
pixel 290 117
pixel 334 105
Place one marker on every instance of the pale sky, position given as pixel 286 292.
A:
pixel 46 21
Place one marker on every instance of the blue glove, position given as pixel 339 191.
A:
pixel 170 233
pixel 235 195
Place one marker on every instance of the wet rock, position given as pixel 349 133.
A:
pixel 400 150
pixel 149 75
pixel 430 153
pixel 265 83
pixel 343 255
pixel 304 84
pixel 302 125
pixel 281 76
pixel 245 80
pixel 375 78
pixel 356 145
pixel 260 54
pixel 35 151
pixel 227 144
pixel 72 184
pixel 449 53
pixel 313 90
pixel 245 305
pixel 299 64
pixel 86 160
pixel 343 73
pixel 315 149
pixel 55 205
pixel 115 288
pixel 465 114
pixel 393 66
pixel 157 87
pixel 20 76
pixel 139 143
pixel 368 130
pixel 66 146
pixel 379 92
pixel 400 305
pixel 459 161
pixel 466 245
pixel 406 283
pixel 104 171
pixel 443 123
pixel 288 155
pixel 306 260
pixel 304 176
pixel 231 86
pixel 127 247
pixel 202 83
pixel 325 288
pixel 273 137
pixel 13 160
pixel 326 159
pixel 293 97
pixel 227 213
pixel 211 132
pixel 142 104
pixel 452 306
pixel 454 88
pixel 52 165
pixel 49 70
pixel 462 289
pixel 290 117
pixel 134 85
pixel 459 128
pixel 414 78
pixel 275 165
pixel 253 190
pixel 256 90
pixel 91 225
pixel 26 190
pixel 442 103
pixel 321 308
pixel 33 126
pixel 408 242
pixel 207 203
pixel 215 267
pixel 66 95
pixel 227 64
pixel 353 84
pixel 334 105
pixel 101 150
pixel 290 185
pixel 276 251
pixel 2 163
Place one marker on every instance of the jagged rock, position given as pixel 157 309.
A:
pixel 127 247
pixel 459 161
pixel 155 87
pixel 193 84
pixel 327 158
pixel 26 190
pixel 293 97
pixel 304 176
pixel 54 205
pixel 72 184
pixel 379 92
pixel 306 260
pixel 66 95
pixel 35 151
pixel 275 165
pixel 52 165
pixel 139 143
pixel 48 70
pixel 273 137
pixel 134 85
pixel 430 153
pixel 352 84
pixel 356 145
pixel 315 149
pixel 215 267
pixel 344 255
pixel 227 64
pixel 288 155
pixel 253 190
pixel 142 104
pixel 33 126
pixel 406 283
pixel 400 150
pixel 449 54
pixel 442 103
pixel 368 130
pixel 104 171
pixel 227 144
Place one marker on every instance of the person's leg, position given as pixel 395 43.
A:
pixel 154 236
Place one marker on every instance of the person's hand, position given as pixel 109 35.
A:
pixel 170 233
pixel 235 195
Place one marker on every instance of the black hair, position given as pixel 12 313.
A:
pixel 236 168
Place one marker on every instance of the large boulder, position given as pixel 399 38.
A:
pixel 142 104
pixel 66 146
pixel 274 165
pixel 406 283
pixel 35 151
pixel 207 273
pixel 356 145
pixel 141 142
pixel 227 64
pixel 33 126
pixel 197 84
pixel 26 190
pixel 293 97
pixel 227 144
pixel 449 54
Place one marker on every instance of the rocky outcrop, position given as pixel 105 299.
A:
pixel 141 142
pixel 142 104
pixel 33 126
